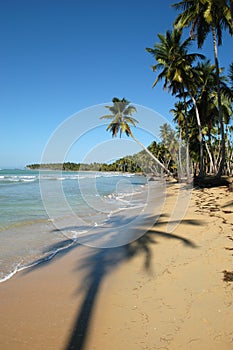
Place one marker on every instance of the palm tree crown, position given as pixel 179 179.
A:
pixel 203 16
pixel 121 116
pixel 173 60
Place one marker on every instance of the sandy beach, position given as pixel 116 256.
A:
pixel 164 291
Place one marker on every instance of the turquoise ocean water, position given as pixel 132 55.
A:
pixel 45 212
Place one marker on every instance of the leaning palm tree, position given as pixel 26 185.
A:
pixel 121 119
pixel 207 16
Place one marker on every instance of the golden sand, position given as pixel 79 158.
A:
pixel 164 291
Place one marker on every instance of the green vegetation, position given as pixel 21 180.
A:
pixel 203 110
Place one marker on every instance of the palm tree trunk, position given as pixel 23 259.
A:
pixel 211 151
pixel 227 145
pixel 211 170
pixel 187 149
pixel 223 151
pixel 150 154
pixel 218 152
pixel 231 161
pixel 187 137
pixel 200 136
pixel 180 157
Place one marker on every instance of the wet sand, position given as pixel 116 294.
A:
pixel 164 291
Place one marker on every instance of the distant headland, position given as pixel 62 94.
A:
pixel 118 166
pixel 137 163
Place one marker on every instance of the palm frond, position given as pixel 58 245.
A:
pixel 107 116
pixel 131 120
pixel 130 110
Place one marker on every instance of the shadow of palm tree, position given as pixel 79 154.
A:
pixel 99 262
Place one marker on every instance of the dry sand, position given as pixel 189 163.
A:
pixel 165 291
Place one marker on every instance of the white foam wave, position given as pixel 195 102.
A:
pixel 75 234
pixel 120 196
pixel 51 255
pixel 11 274
pixel 18 178
pixel 28 180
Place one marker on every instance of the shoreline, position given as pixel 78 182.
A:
pixel 18 269
pixel 40 224
pixel 165 290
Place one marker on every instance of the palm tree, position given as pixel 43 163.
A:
pixel 121 118
pixel 173 60
pixel 179 116
pixel 170 147
pixel 207 16
pixel 206 98
pixel 175 64
pixel 193 92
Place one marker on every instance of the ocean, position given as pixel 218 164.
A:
pixel 44 212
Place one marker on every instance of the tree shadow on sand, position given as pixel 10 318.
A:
pixel 99 262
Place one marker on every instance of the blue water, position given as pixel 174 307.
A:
pixel 44 212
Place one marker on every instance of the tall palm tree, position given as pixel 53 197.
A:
pixel 176 66
pixel 206 98
pixel 121 119
pixel 193 92
pixel 179 116
pixel 169 145
pixel 207 16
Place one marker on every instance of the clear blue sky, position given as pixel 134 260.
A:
pixel 61 56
